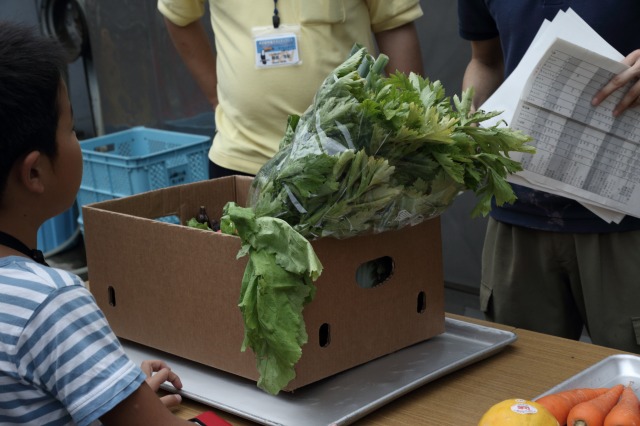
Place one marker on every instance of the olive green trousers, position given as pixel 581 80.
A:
pixel 556 283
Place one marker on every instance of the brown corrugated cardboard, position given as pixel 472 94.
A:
pixel 176 288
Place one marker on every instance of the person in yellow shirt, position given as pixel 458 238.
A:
pixel 270 58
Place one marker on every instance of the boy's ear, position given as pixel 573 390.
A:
pixel 30 171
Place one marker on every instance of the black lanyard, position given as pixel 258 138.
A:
pixel 14 243
pixel 276 17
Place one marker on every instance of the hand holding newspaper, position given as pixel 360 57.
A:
pixel 583 152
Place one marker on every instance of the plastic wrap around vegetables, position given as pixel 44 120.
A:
pixel 375 153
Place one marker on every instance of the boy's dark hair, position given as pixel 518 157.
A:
pixel 31 71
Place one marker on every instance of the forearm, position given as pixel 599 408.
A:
pixel 484 81
pixel 403 48
pixel 485 71
pixel 192 44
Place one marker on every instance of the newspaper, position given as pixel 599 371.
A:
pixel 583 152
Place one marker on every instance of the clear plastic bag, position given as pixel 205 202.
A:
pixel 371 154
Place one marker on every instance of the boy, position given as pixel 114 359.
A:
pixel 60 363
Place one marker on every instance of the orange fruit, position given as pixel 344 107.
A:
pixel 517 412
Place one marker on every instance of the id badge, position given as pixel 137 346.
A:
pixel 276 47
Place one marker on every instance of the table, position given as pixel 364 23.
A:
pixel 525 369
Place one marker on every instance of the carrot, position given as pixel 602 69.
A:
pixel 593 412
pixel 626 412
pixel 560 403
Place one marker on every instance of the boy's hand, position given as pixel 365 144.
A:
pixel 632 97
pixel 158 372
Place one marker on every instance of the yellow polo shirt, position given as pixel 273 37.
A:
pixel 254 103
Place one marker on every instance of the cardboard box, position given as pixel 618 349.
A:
pixel 176 288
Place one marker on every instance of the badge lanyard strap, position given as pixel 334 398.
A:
pixel 14 243
pixel 276 17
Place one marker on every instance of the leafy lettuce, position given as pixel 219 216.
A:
pixel 277 283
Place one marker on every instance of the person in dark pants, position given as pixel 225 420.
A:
pixel 549 264
pixel 216 171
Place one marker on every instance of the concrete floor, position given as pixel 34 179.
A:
pixel 462 302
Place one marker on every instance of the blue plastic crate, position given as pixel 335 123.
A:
pixel 140 159
pixel 59 232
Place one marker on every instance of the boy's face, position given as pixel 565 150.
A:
pixel 67 166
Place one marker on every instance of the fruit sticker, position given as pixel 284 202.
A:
pixel 521 407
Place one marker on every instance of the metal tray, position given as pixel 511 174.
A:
pixel 345 397
pixel 612 370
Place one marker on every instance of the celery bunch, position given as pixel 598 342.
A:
pixel 374 153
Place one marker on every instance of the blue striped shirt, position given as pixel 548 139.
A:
pixel 60 363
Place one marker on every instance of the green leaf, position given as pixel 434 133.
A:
pixel 193 223
pixel 277 284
